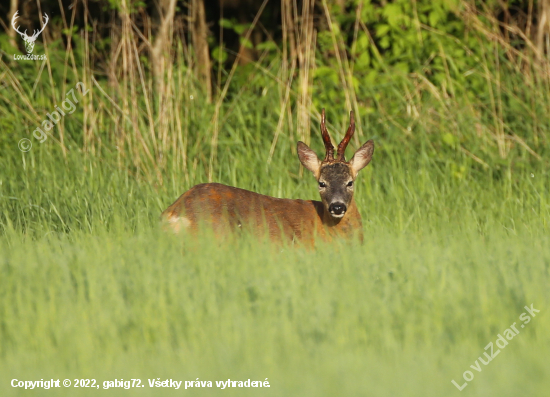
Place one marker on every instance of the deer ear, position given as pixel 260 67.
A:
pixel 308 158
pixel 362 157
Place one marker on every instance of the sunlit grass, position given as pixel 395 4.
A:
pixel 340 320
pixel 456 236
pixel 91 287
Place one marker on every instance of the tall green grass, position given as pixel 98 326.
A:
pixel 403 314
pixel 455 207
pixel 91 287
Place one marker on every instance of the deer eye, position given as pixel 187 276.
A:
pixel 350 183
pixel 322 184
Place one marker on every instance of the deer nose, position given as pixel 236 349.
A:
pixel 337 208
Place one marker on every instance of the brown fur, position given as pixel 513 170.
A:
pixel 227 209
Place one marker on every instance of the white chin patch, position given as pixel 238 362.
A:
pixel 337 216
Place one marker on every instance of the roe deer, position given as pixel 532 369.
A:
pixel 226 208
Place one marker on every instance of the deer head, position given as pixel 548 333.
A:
pixel 336 176
pixel 29 40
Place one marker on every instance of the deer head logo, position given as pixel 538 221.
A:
pixel 29 40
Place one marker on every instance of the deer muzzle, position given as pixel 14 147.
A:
pixel 337 210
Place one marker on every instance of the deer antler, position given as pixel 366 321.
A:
pixel 24 34
pixel 15 27
pixel 326 138
pixel 342 146
pixel 46 19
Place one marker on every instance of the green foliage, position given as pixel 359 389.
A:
pixel 94 287
pixel 131 5
pixel 455 209
pixel 421 66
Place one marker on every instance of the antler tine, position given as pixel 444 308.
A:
pixel 46 19
pixel 326 138
pixel 342 146
pixel 13 23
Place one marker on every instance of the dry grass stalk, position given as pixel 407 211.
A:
pixel 199 34
pixel 305 51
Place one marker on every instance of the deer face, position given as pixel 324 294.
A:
pixel 29 43
pixel 336 177
pixel 29 40
pixel 336 188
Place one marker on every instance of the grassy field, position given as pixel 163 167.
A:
pixel 91 287
pixel 455 207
